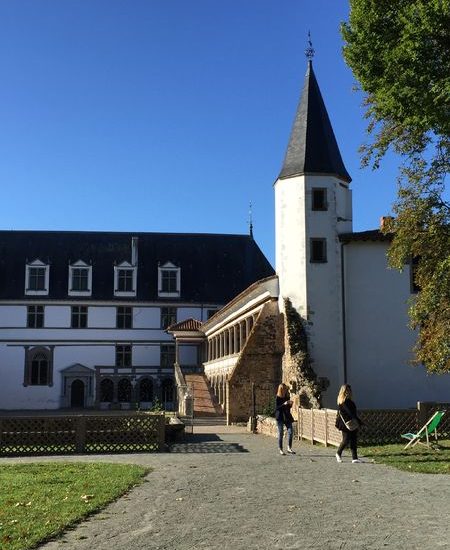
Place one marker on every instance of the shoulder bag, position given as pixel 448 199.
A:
pixel 351 424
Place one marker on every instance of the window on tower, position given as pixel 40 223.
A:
pixel 318 250
pixel 319 198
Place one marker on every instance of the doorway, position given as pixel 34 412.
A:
pixel 77 394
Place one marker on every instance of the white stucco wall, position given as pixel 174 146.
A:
pixel 290 245
pixel 314 288
pixel 184 313
pixel 188 355
pixel 146 317
pixel 146 355
pixel 13 316
pixel 379 341
pixel 101 317
pixel 57 316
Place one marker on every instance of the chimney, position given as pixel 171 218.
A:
pixel 134 251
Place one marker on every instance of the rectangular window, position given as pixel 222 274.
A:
pixel 168 316
pixel 35 316
pixel 167 355
pixel 318 250
pixel 80 279
pixel 36 278
pixel 124 317
pixel 125 280
pixel 79 316
pixel 319 198
pixel 123 355
pixel 39 371
pixel 169 280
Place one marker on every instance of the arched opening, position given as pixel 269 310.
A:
pixel 167 394
pixel 77 394
pixel 124 390
pixel 146 390
pixel 106 390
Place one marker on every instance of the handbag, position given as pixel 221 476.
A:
pixel 351 424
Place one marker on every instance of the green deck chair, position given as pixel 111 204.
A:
pixel 426 431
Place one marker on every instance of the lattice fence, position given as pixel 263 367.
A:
pixel 37 435
pixel 381 426
pixel 444 426
pixel 385 426
pixel 81 434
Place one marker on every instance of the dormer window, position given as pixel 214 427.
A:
pixel 125 276
pixel 80 279
pixel 37 278
pixel 169 277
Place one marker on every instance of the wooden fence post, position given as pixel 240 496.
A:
pixel 253 417
pixel 300 424
pixel 161 432
pixel 80 434
pixel 423 413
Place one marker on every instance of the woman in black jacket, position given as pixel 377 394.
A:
pixel 347 413
pixel 284 417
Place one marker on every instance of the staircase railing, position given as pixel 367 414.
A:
pixel 185 397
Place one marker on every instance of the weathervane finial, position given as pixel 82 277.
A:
pixel 309 52
pixel 250 220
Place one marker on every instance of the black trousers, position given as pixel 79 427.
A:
pixel 349 439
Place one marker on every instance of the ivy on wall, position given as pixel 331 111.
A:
pixel 297 367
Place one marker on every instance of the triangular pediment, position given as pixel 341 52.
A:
pixel 78 369
pixel 79 263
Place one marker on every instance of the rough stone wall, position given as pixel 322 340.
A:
pixel 297 372
pixel 259 363
pixel 267 425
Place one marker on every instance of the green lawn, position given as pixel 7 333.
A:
pixel 38 501
pixel 418 459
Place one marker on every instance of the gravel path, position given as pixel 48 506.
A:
pixel 233 491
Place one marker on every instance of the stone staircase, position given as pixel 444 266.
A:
pixel 205 402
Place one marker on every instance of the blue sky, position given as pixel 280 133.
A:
pixel 158 115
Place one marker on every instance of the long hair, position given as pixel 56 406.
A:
pixel 344 393
pixel 282 390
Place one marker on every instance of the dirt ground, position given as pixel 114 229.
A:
pixel 234 491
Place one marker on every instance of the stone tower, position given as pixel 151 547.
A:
pixel 312 207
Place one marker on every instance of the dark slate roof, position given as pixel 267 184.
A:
pixel 371 235
pixel 312 146
pixel 214 268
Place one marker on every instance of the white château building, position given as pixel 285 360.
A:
pixel 83 316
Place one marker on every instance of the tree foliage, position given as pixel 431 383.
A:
pixel 399 51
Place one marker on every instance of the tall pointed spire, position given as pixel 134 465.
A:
pixel 312 147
